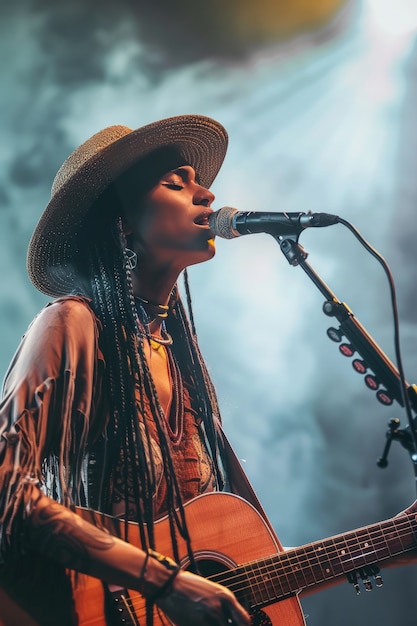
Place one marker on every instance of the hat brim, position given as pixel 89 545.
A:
pixel 201 140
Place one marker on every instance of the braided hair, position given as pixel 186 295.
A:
pixel 105 278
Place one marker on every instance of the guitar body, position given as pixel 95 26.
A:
pixel 226 531
pixel 233 545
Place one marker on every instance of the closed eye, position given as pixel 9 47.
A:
pixel 173 186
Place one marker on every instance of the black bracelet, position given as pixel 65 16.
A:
pixel 165 587
pixel 169 564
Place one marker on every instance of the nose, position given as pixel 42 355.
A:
pixel 203 196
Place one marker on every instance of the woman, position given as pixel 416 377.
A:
pixel 107 403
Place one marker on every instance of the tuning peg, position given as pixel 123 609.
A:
pixel 378 581
pixel 353 579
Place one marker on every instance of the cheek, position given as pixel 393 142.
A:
pixel 166 229
pixel 161 220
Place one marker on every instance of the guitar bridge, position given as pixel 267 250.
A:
pixel 118 608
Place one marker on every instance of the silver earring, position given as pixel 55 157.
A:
pixel 131 258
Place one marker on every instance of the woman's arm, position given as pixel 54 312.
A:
pixel 64 537
pixel 48 395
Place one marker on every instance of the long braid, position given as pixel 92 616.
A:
pixel 194 367
pixel 130 380
pixel 174 500
pixel 189 303
pixel 112 305
pixel 122 337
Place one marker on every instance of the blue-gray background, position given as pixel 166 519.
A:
pixel 321 121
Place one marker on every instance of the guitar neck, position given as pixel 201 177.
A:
pixel 274 578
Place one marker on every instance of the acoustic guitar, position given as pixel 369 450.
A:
pixel 235 547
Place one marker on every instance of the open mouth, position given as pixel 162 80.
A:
pixel 202 219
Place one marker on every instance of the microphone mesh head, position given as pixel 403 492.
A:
pixel 221 223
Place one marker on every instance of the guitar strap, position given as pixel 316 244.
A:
pixel 239 482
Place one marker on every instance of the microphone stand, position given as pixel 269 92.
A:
pixel 385 379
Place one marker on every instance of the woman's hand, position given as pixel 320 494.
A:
pixel 194 600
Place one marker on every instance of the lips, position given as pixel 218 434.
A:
pixel 203 218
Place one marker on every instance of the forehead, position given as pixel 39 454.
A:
pixel 146 172
pixel 136 182
pixel 185 172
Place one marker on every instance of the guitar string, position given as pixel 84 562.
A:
pixel 272 565
pixel 282 564
pixel 285 571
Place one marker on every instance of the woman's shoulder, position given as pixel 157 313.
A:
pixel 65 333
pixel 69 309
pixel 69 316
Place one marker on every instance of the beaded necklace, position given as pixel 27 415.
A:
pixel 148 312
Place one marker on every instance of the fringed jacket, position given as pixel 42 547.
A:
pixel 54 410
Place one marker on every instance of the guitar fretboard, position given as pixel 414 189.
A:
pixel 268 580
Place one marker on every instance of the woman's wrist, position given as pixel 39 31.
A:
pixel 157 575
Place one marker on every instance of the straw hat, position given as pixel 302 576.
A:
pixel 89 170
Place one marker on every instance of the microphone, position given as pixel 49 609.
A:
pixel 229 223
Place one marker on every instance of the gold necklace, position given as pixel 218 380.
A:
pixel 155 345
pixel 158 311
pixel 155 309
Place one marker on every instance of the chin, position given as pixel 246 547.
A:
pixel 204 255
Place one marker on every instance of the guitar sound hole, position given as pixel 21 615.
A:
pixel 210 567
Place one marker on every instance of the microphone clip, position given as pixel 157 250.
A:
pixel 291 249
